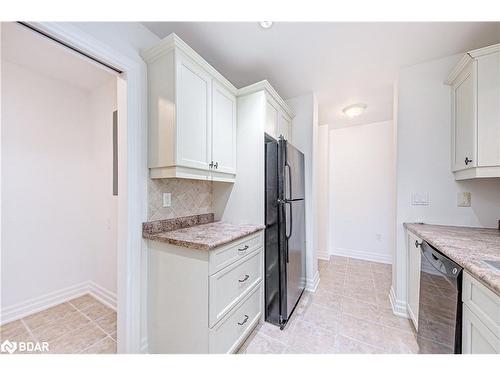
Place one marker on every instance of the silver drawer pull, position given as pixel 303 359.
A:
pixel 244 279
pixel 244 249
pixel 244 321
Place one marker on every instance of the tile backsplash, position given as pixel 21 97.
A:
pixel 189 197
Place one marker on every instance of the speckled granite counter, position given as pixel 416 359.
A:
pixel 197 232
pixel 469 247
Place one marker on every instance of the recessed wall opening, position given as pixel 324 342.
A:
pixel 60 168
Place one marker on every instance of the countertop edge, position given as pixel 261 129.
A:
pixel 196 245
pixel 472 269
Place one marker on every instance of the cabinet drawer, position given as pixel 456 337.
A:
pixel 229 286
pixel 476 337
pixel 229 334
pixel 483 302
pixel 230 253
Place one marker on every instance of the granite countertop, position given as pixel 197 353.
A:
pixel 197 232
pixel 468 247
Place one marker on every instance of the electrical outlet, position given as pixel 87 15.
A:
pixel 167 200
pixel 420 199
pixel 463 199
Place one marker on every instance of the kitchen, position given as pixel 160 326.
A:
pixel 294 225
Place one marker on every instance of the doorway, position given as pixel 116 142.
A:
pixel 61 194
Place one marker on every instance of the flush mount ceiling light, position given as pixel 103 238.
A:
pixel 266 24
pixel 354 110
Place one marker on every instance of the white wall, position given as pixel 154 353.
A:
pixel 304 128
pixel 423 162
pixel 104 215
pixel 361 191
pixel 57 198
pixel 322 193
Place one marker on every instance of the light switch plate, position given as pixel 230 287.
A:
pixel 167 200
pixel 463 199
pixel 420 199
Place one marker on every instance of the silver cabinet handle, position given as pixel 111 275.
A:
pixel 244 279
pixel 467 161
pixel 211 164
pixel 417 244
pixel 244 249
pixel 244 321
pixel 216 165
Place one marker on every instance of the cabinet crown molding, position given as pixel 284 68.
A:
pixel 172 42
pixel 469 57
pixel 266 86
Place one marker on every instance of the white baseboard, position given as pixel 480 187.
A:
pixel 34 305
pixel 324 255
pixel 144 345
pixel 312 284
pixel 103 295
pixel 398 307
pixel 364 255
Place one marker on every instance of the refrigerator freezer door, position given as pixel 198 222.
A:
pixel 294 173
pixel 272 237
pixel 295 259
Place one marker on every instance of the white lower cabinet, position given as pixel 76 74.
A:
pixel 481 318
pixel 203 301
pixel 476 337
pixel 413 256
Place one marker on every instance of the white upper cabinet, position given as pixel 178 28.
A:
pixel 285 126
pixel 192 115
pixel 278 121
pixel 223 129
pixel 271 125
pixel 475 94
pixel 193 147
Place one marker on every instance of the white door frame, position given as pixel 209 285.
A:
pixel 132 205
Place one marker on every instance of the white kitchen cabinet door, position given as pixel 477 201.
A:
pixel 272 112
pixel 476 337
pixel 488 110
pixel 413 277
pixel 193 113
pixel 223 129
pixel 464 119
pixel 284 127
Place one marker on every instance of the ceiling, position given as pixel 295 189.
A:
pixel 33 51
pixel 343 63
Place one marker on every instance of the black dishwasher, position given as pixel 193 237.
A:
pixel 440 303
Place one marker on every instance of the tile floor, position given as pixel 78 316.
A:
pixel 350 312
pixel 82 325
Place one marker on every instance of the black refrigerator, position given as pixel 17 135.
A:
pixel 285 239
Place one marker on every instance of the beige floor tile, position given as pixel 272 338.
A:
pixel 113 336
pixel 323 317
pixel 362 294
pixel 381 267
pixel 309 338
pixel 12 329
pixel 361 330
pixel 47 316
pixel 262 344
pixel 399 342
pixel 78 340
pixel 96 311
pixel 387 318
pixel 83 302
pixel 274 332
pixel 107 322
pixel 327 299
pixel 346 345
pixel 57 328
pixel 105 346
pixel 361 310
